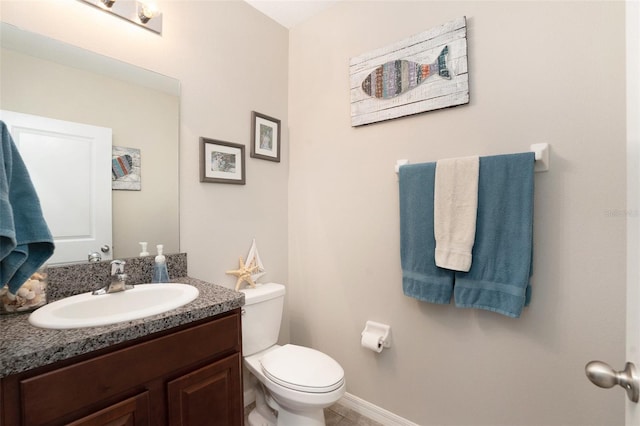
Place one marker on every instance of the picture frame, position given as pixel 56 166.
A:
pixel 221 162
pixel 424 72
pixel 126 169
pixel 265 137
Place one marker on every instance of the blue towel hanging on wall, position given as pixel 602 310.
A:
pixel 498 280
pixel 502 253
pixel 421 278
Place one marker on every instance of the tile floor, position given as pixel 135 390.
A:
pixel 336 415
pixel 339 415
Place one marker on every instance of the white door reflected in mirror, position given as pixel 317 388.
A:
pixel 70 167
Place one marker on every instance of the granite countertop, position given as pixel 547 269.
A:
pixel 23 346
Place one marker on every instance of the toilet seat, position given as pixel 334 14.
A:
pixel 302 369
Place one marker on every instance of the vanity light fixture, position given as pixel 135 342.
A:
pixel 144 13
pixel 147 10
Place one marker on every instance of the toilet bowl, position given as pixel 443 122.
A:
pixel 296 381
pixel 298 396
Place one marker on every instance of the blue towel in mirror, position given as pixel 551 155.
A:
pixel 25 240
pixel 421 278
pixel 498 280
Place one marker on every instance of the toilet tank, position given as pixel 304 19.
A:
pixel 261 317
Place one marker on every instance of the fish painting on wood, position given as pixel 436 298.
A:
pixel 396 77
pixel 424 72
pixel 125 169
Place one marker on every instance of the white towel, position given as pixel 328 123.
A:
pixel 455 206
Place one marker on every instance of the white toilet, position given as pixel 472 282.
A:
pixel 295 381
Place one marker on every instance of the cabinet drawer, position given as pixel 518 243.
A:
pixel 52 395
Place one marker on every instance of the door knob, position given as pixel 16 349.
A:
pixel 601 374
pixel 105 248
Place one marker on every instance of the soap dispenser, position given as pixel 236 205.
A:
pixel 160 273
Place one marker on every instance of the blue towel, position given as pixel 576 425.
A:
pixel 25 240
pixel 502 253
pixel 421 278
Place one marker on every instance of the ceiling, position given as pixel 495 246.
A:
pixel 289 13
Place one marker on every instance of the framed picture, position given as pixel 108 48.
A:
pixel 425 72
pixel 125 169
pixel 265 137
pixel 221 162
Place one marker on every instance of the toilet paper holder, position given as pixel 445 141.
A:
pixel 379 330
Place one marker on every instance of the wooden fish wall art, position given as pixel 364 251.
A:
pixel 396 77
pixel 121 166
pixel 125 168
pixel 425 72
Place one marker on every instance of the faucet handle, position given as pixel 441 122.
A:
pixel 117 267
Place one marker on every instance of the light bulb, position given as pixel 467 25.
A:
pixel 147 11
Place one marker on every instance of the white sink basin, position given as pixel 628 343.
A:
pixel 88 310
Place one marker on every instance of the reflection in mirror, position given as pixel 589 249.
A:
pixel 45 77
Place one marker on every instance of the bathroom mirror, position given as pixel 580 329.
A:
pixel 46 77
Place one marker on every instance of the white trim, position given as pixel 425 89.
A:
pixel 373 412
pixel 358 405
pixel 632 412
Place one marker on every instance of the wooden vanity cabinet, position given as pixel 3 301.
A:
pixel 187 376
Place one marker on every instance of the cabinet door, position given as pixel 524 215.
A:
pixel 130 412
pixel 210 396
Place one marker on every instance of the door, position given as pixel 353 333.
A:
pixel 70 166
pixel 599 372
pixel 633 195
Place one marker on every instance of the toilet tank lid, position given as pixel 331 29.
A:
pixel 262 292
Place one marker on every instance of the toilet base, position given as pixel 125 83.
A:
pixel 262 415
pixel 308 418
pixel 257 419
pixel 272 414
pixel 286 418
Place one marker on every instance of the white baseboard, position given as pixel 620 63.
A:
pixel 373 412
pixel 358 405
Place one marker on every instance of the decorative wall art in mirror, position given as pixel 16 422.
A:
pixel 45 77
pixel 126 169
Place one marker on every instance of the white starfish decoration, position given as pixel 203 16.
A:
pixel 243 273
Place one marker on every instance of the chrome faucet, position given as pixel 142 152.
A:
pixel 118 278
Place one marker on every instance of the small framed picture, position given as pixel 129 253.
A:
pixel 265 137
pixel 125 169
pixel 221 162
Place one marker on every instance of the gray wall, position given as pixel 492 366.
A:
pixel 539 72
